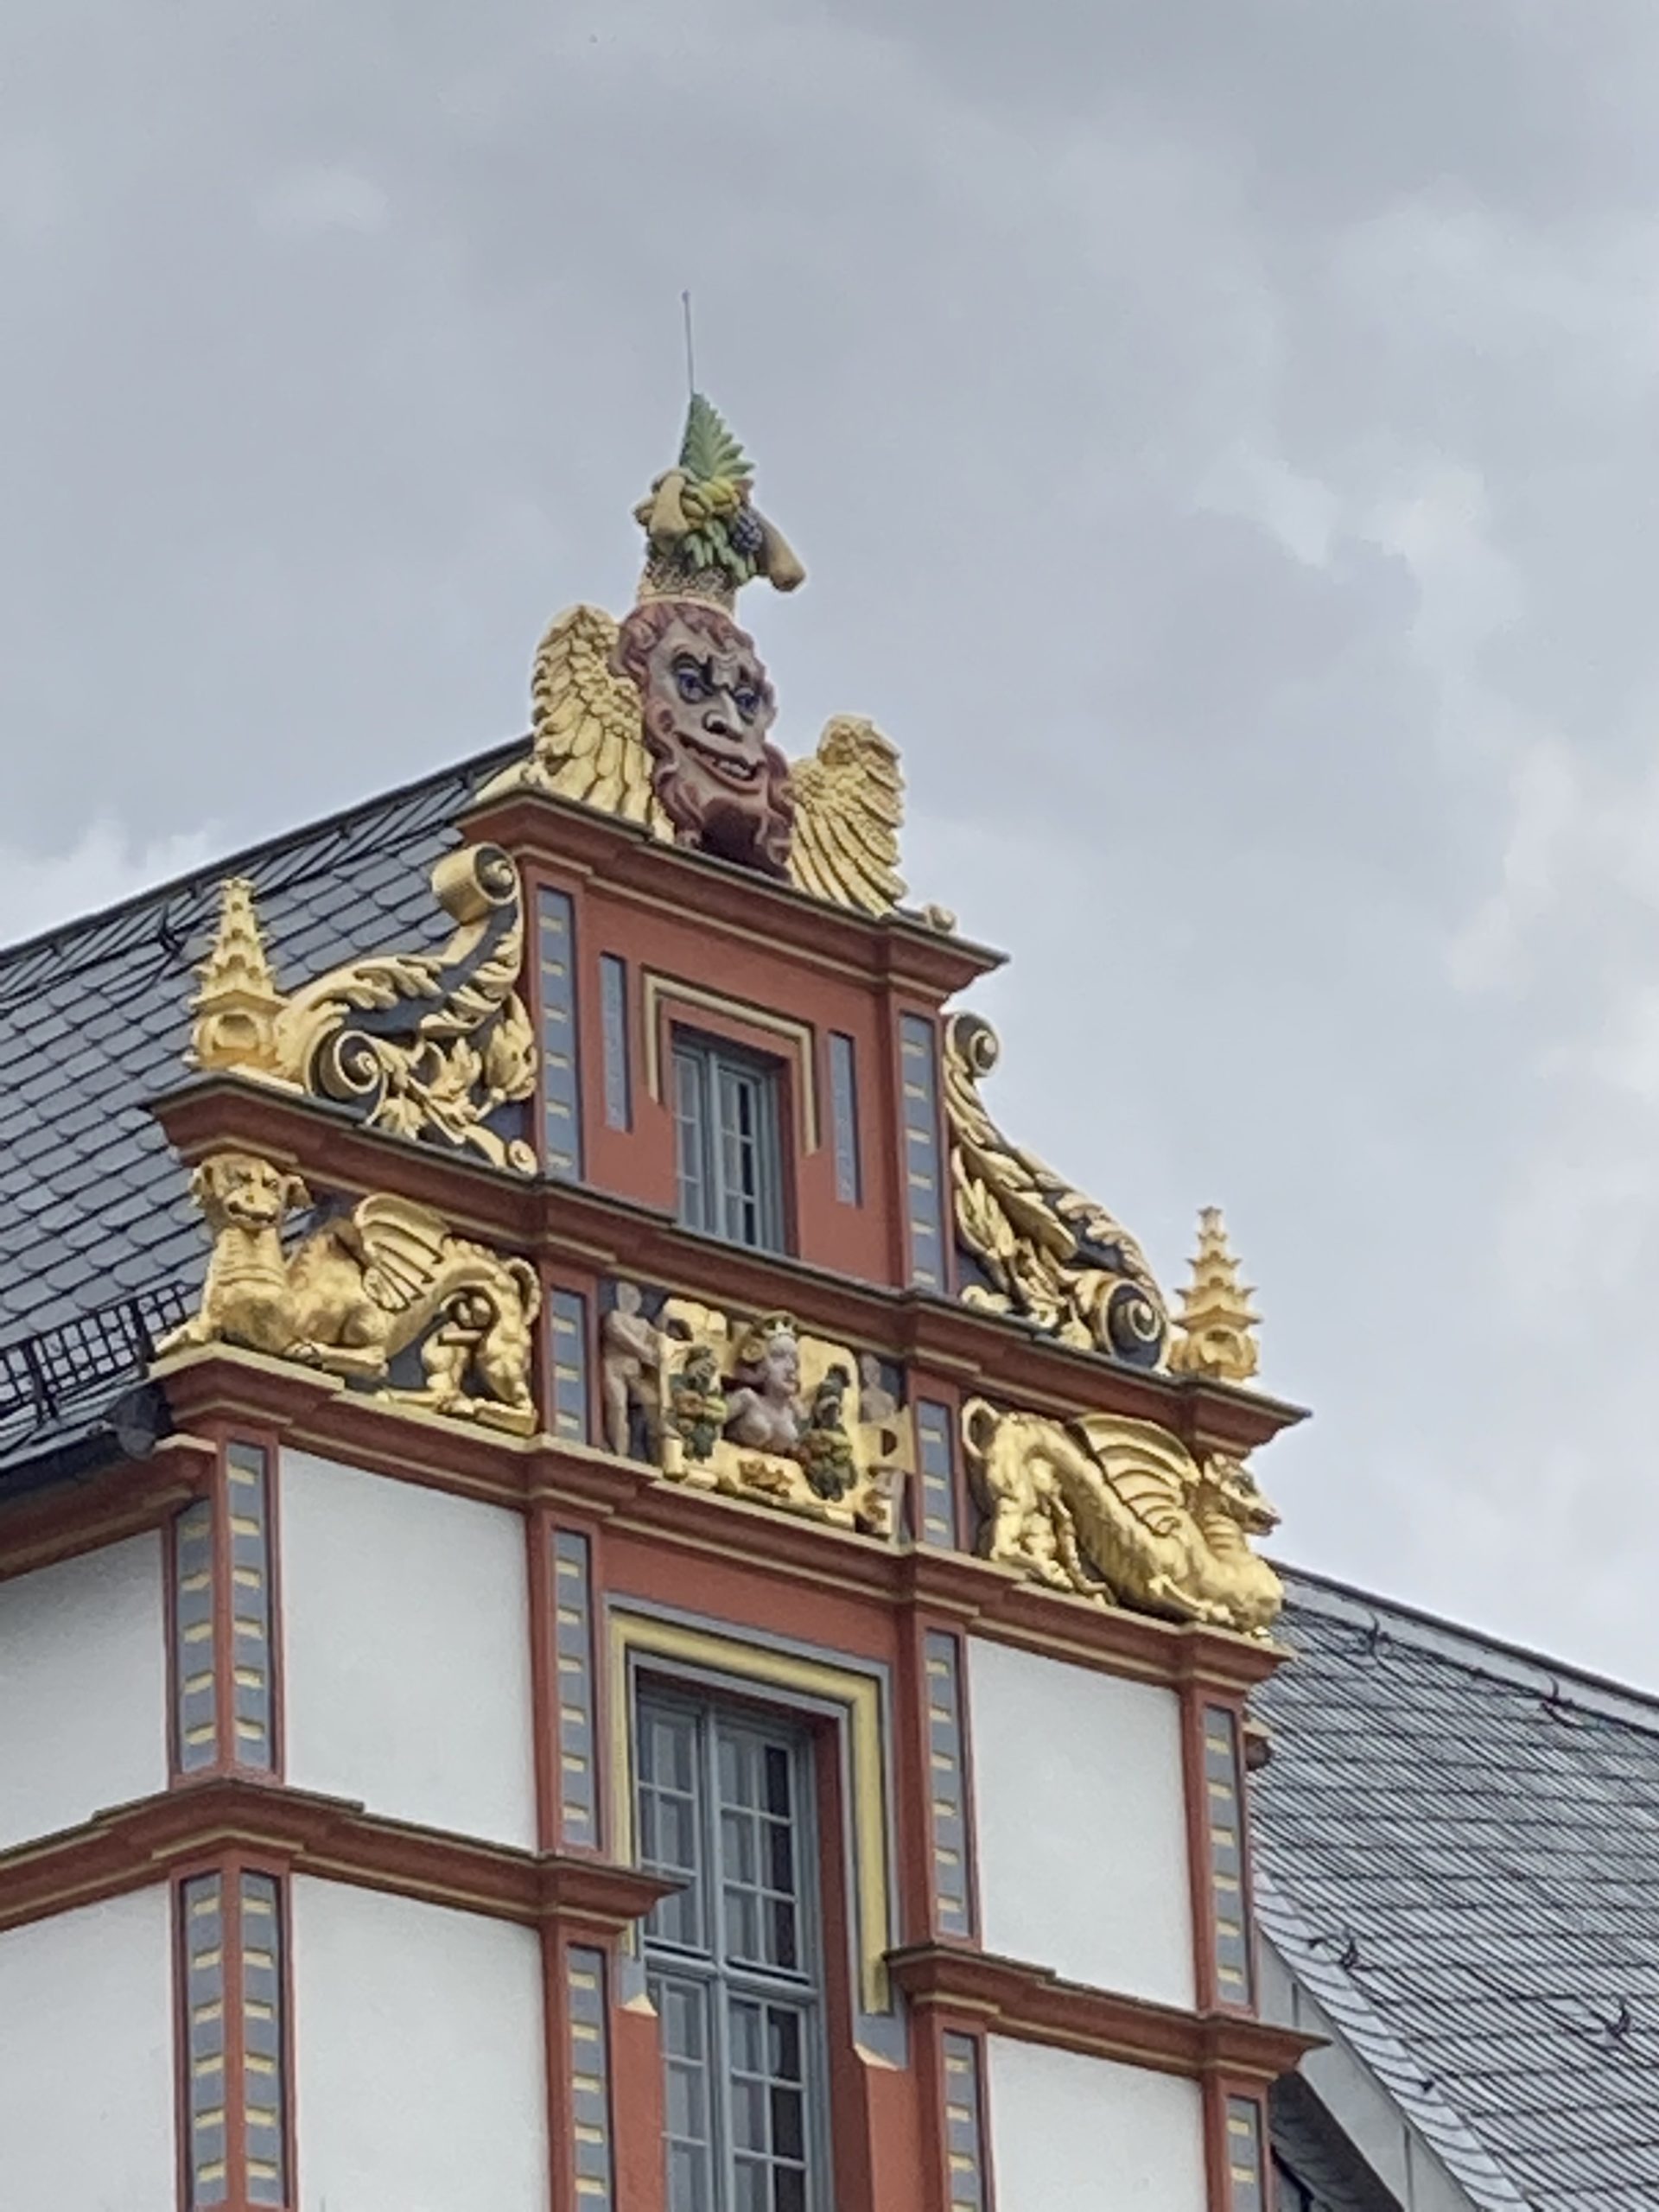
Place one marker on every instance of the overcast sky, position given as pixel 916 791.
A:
pixel 1222 436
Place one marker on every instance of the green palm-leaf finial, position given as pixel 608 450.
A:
pixel 704 538
pixel 709 451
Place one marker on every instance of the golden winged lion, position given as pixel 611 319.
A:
pixel 662 719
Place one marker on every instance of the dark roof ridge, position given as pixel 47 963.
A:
pixel 1475 1650
pixel 60 938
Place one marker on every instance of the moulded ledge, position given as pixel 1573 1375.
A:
pixel 597 1232
pixel 899 947
pixel 1033 2002
pixel 334 1838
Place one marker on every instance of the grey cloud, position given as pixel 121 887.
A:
pixel 1220 436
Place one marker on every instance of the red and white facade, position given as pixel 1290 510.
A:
pixel 321 1727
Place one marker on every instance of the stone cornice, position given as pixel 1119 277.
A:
pixel 296 1832
pixel 594 1231
pixel 220 1388
pixel 1006 1996
pixel 123 1499
pixel 575 841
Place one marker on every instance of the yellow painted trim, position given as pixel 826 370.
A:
pixel 798 1034
pixel 751 1663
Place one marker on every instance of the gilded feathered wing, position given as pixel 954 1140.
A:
pixel 588 743
pixel 401 1245
pixel 1148 1468
pixel 848 810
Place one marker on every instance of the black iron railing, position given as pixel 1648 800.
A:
pixel 46 1377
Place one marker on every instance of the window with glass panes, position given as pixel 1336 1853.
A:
pixel 724 1807
pixel 726 1134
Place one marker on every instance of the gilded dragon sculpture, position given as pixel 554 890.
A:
pixel 429 1044
pixel 1043 1252
pixel 664 718
pixel 363 1288
pixel 1119 1511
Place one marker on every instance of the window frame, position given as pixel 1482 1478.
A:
pixel 714 1059
pixel 708 1964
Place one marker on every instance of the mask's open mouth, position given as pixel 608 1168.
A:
pixel 727 767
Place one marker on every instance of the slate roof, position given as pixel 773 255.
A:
pixel 93 1021
pixel 94 1215
pixel 1458 1852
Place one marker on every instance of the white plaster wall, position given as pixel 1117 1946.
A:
pixel 1080 1822
pixel 419 2054
pixel 83 1687
pixel 1076 2134
pixel 406 1650
pixel 86 2094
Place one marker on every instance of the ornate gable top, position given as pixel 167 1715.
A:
pixel 664 718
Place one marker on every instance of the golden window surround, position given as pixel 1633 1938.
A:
pixel 745 1665
pixel 659 991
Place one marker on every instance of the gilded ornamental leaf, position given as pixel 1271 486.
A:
pixel 1039 1249
pixel 436 1046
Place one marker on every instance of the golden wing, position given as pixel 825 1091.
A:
pixel 587 742
pixel 401 1245
pixel 1150 1471
pixel 849 807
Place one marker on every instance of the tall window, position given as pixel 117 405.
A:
pixel 724 1807
pixel 730 1160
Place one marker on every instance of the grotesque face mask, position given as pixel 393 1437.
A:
pixel 707 707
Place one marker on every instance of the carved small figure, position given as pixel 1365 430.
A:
pixel 876 1507
pixel 825 1450
pixel 876 1403
pixel 763 1403
pixel 697 1406
pixel 361 1288
pixel 632 1354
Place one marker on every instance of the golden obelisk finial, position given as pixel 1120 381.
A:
pixel 238 1002
pixel 1216 1327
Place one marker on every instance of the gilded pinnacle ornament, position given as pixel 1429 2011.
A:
pixel 236 1006
pixel 1216 1327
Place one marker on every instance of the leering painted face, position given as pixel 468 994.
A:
pixel 707 708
